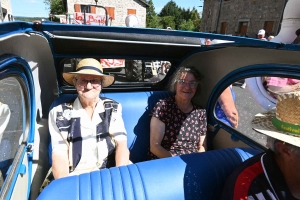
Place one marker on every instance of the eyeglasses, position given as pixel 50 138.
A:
pixel 183 83
pixel 94 82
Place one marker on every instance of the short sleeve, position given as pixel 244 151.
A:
pixel 159 110
pixel 277 81
pixel 58 139
pixel 117 129
pixel 203 122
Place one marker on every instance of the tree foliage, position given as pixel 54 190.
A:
pixel 173 16
pixel 55 6
pixel 168 21
pixel 27 19
pixel 152 20
pixel 186 25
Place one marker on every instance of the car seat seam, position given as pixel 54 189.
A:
pixel 122 184
pixel 90 182
pixel 132 188
pixel 141 181
pixel 111 181
pixel 101 177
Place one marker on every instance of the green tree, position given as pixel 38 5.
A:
pixel 195 17
pixel 152 20
pixel 182 19
pixel 171 10
pixel 167 21
pixel 55 6
pixel 197 25
pixel 186 25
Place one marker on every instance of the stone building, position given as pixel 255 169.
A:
pixel 118 10
pixel 5 11
pixel 242 17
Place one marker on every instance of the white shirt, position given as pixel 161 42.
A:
pixel 93 153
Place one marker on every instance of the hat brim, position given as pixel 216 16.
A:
pixel 262 123
pixel 107 79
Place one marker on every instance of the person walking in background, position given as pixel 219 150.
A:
pixel 261 34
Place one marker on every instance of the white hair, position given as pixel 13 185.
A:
pixel 271 144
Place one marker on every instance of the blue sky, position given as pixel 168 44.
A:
pixel 159 4
pixel 37 8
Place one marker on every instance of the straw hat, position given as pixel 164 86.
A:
pixel 283 123
pixel 89 66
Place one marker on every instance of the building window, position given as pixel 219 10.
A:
pixel 87 8
pixel 111 12
pixel 223 27
pixel 243 27
pixel 269 27
pixel 131 11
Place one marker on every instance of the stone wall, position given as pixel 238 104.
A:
pixel 120 6
pixel 6 4
pixel 209 15
pixel 254 12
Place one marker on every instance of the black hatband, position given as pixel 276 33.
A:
pixel 89 67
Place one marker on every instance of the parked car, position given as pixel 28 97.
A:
pixel 32 59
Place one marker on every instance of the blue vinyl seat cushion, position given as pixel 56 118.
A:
pixel 193 176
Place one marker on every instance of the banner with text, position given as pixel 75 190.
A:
pixel 90 18
pixel 112 63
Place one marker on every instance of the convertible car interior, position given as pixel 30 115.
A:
pixel 33 57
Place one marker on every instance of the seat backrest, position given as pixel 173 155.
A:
pixel 192 176
pixel 136 109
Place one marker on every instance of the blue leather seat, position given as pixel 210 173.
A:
pixel 193 176
pixel 137 107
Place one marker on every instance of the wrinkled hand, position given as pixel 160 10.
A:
pixel 228 106
pixel 231 113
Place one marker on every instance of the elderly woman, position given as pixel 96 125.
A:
pixel 177 125
pixel 87 134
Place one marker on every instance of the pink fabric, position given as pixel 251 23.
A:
pixel 281 82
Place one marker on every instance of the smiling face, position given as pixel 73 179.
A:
pixel 88 87
pixel 186 86
pixel 260 36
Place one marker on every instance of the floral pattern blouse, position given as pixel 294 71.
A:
pixel 182 130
